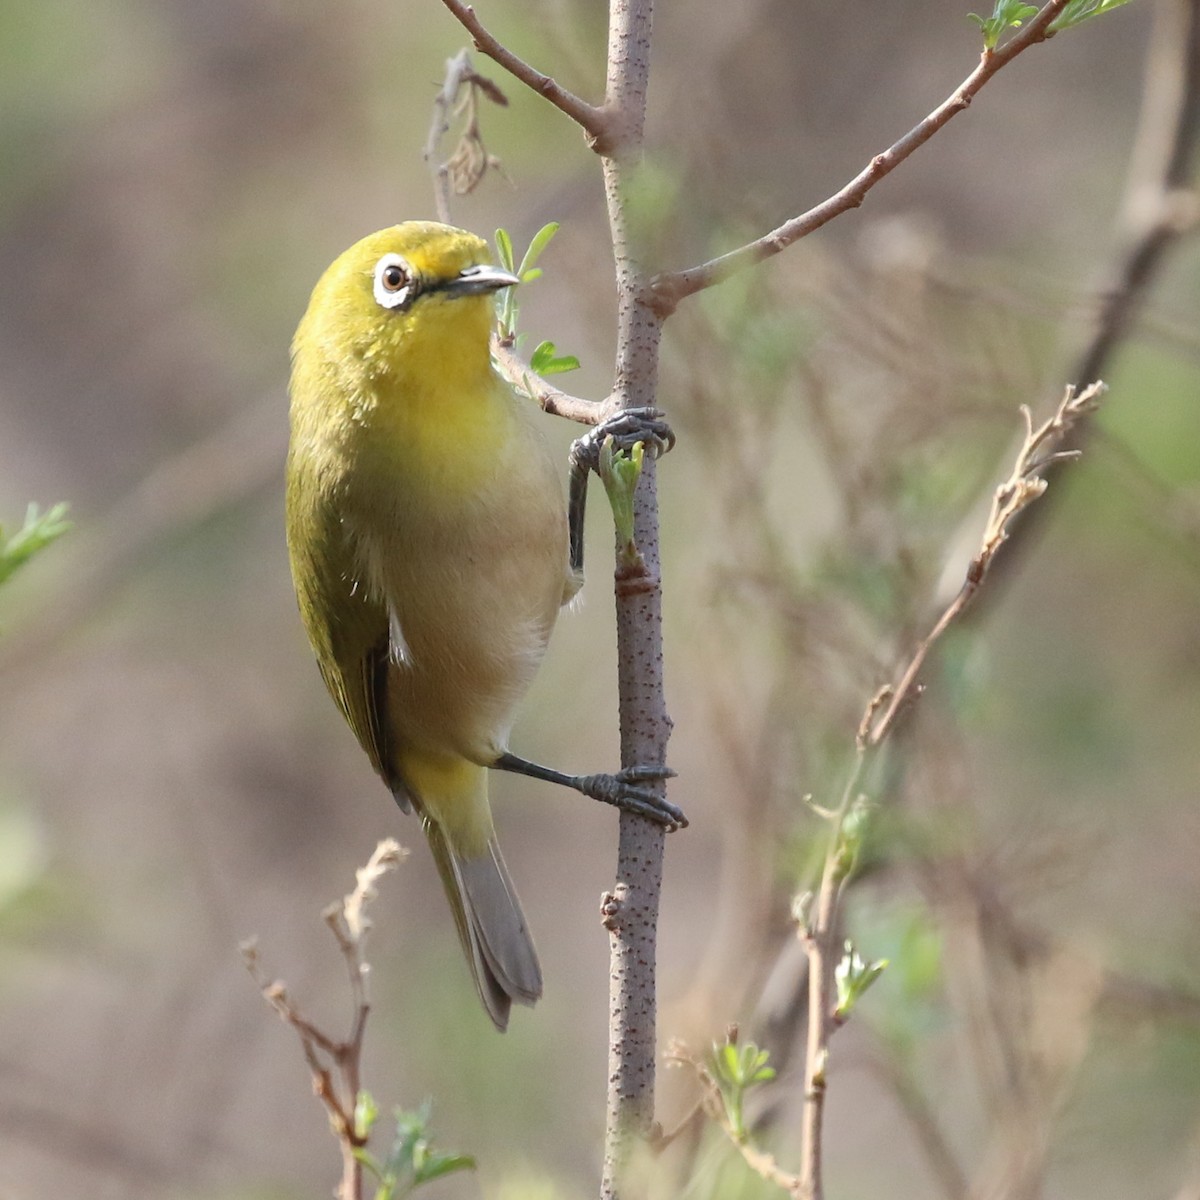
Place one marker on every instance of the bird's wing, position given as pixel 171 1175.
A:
pixel 347 625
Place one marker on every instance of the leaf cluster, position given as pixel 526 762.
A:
pixel 412 1160
pixel 1012 14
pixel 1007 14
pixel 737 1069
pixel 545 359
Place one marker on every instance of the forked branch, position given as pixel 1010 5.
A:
pixel 591 119
pixel 336 1063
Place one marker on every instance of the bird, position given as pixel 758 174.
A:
pixel 431 550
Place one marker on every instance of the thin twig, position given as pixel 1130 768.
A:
pixel 670 287
pixel 459 95
pixel 594 121
pixel 551 399
pixel 759 1161
pixel 1160 208
pixel 336 1064
pixel 1040 449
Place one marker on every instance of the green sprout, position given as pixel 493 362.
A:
pixel 852 976
pixel 36 534
pixel 736 1070
pixel 1008 14
pixel 620 471
pixel 412 1160
pixel 851 836
pixel 1079 11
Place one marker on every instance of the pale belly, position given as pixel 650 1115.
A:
pixel 473 598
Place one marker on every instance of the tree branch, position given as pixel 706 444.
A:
pixel 551 399
pixel 594 121
pixel 336 1064
pixel 1161 206
pixel 669 288
pixel 821 931
pixel 1040 450
pixel 631 909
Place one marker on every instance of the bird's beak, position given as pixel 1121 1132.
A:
pixel 478 279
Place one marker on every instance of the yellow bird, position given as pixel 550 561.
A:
pixel 431 551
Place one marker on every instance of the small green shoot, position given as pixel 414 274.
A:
pixel 1079 11
pixel 36 534
pixel 526 271
pixel 546 361
pixel 852 976
pixel 620 472
pixel 412 1159
pixel 736 1070
pixel 1007 14
pixel 851 837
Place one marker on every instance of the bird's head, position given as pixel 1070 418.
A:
pixel 407 298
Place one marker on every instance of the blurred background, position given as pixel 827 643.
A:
pixel 173 778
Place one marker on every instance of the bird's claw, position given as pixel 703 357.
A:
pixel 624 791
pixel 626 428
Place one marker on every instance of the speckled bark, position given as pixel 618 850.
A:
pixel 631 909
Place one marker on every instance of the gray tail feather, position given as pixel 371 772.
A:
pixel 491 925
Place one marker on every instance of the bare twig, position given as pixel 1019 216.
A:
pixel 821 934
pixel 459 95
pixel 1039 451
pixel 336 1065
pixel 670 287
pixel 594 121
pixel 1161 206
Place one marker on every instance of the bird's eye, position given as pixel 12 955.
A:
pixel 393 282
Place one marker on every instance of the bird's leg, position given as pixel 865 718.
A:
pixel 622 790
pixel 626 428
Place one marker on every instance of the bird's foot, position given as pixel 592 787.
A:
pixel 624 790
pixel 626 428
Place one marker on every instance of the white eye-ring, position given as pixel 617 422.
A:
pixel 393 282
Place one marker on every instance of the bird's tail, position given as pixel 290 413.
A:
pixel 490 923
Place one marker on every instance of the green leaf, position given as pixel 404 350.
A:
pixel 853 976
pixel 545 361
pixel 504 250
pixel 1079 11
pixel 433 1166
pixel 540 241
pixel 1007 14
pixel 738 1068
pixel 413 1160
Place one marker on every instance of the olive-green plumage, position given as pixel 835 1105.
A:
pixel 428 540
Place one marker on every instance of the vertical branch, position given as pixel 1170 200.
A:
pixel 631 910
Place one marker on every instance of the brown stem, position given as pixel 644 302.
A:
pixel 632 908
pixel 552 400
pixel 594 121
pixel 670 287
